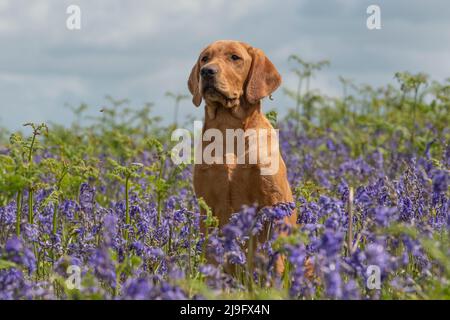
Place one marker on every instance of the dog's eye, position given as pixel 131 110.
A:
pixel 235 57
pixel 204 59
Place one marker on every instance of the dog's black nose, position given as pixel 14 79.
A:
pixel 208 72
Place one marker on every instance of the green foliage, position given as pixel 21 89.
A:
pixel 272 116
pixel 100 149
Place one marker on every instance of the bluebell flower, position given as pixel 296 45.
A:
pixel 376 255
pixel 440 182
pixel 16 252
pixel 103 266
pixel 351 291
pixel 277 212
pixel 13 286
pixel 333 284
pixel 384 216
pixel 87 198
pixel 137 289
pixel 331 242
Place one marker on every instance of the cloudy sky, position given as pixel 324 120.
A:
pixel 139 49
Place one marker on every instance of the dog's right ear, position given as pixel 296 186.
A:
pixel 194 84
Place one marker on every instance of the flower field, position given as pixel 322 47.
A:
pixel 97 210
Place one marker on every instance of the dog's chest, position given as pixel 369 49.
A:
pixel 228 184
pixel 231 185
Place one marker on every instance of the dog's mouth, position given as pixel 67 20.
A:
pixel 211 90
pixel 212 93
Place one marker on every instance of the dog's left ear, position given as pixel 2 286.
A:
pixel 263 77
pixel 194 85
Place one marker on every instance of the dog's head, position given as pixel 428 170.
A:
pixel 226 71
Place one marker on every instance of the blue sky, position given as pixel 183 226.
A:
pixel 139 49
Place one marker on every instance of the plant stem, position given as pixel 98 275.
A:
pixel 269 231
pixel 169 242
pixel 55 208
pixel 30 153
pixel 117 288
pixel 413 124
pixel 18 212
pixel 306 108
pixel 30 206
pixel 159 193
pixel 205 242
pixel 189 247
pixel 177 105
pixel 350 221
pixel 30 190
pixel 127 207
pixel 250 263
pixel 158 217
pixel 55 214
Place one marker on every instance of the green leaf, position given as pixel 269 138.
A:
pixel 5 264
